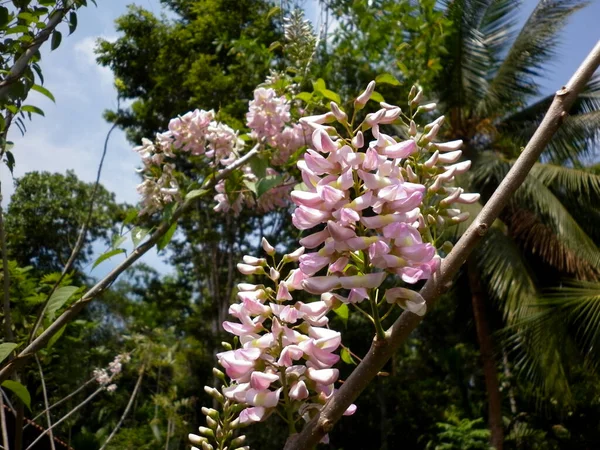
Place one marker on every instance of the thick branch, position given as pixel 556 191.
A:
pixel 381 350
pixel 40 342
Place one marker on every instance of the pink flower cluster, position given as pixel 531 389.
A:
pixel 268 118
pixel 368 201
pixel 195 133
pixel 287 352
pixel 104 377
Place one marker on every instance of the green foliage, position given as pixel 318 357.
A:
pixel 456 433
pixel 45 216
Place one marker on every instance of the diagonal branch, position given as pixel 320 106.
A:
pixel 17 70
pixel 40 342
pixel 382 349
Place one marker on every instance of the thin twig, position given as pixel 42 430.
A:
pixel 8 333
pixel 127 408
pixel 50 434
pixel 69 414
pixel 80 239
pixel 382 350
pixel 3 422
pixel 70 313
pixel 62 400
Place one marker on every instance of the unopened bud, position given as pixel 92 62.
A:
pixel 268 248
pixel 430 219
pixel 273 274
pixel 207 446
pixel 412 129
pixel 217 373
pixel 293 257
pixel 195 439
pixel 340 115
pixel 235 424
pixel 363 98
pixel 447 247
pixel 432 161
pixel 460 218
pixel 210 412
pixel 238 441
pixel 427 108
pixel 212 423
pixel 359 140
pixel 247 269
pixel 214 393
pixel 226 346
pixel 253 261
pixel 412 176
pixel 206 432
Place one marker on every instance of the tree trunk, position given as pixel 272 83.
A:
pixel 486 349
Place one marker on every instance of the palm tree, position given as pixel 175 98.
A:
pixel 490 90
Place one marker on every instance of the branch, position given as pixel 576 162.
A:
pixel 70 313
pixel 80 240
pixel 382 349
pixel 62 400
pixel 50 434
pixel 8 334
pixel 17 70
pixel 127 408
pixel 3 424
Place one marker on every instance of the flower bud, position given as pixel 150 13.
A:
pixel 293 257
pixel 209 412
pixel 212 423
pixel 253 261
pixel 247 269
pixel 195 439
pixel 273 274
pixel 226 346
pixel 238 441
pixel 206 432
pixel 412 129
pixel 268 248
pixel 207 446
pixel 427 108
pixel 340 115
pixel 363 98
pixel 217 373
pixel 359 140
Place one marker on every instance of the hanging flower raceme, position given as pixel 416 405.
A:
pixel 379 204
pixel 287 353
pixel 374 208
pixel 104 377
pixel 197 133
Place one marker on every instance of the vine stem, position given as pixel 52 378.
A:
pixel 382 350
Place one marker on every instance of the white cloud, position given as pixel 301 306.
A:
pixel 86 58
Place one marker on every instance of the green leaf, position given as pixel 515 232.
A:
pixel 118 241
pixel 331 95
pixel 347 357
pixel 56 38
pixel 195 194
pixel 72 22
pixel 17 29
pixel 319 85
pixel 42 90
pixel 20 391
pixel 267 183
pixel 274 46
pixel 251 185
pixel 166 238
pixel 138 234
pixel 108 255
pixel 32 109
pixel 6 349
pixel 56 337
pixel 306 97
pixel 10 161
pixel 59 298
pixel 387 78
pixel 259 166
pixel 377 97
pixel 342 311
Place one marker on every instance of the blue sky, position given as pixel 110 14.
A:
pixel 72 133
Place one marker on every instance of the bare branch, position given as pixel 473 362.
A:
pixel 3 424
pixel 382 350
pixel 50 433
pixel 40 342
pixel 127 408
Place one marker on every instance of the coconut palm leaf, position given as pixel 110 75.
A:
pixel 468 59
pixel 579 304
pixel 514 81
pixel 575 183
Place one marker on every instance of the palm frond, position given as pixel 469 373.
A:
pixel 579 305
pixel 506 275
pixel 557 234
pixel 575 183
pixel 468 59
pixel 497 25
pixel 514 80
